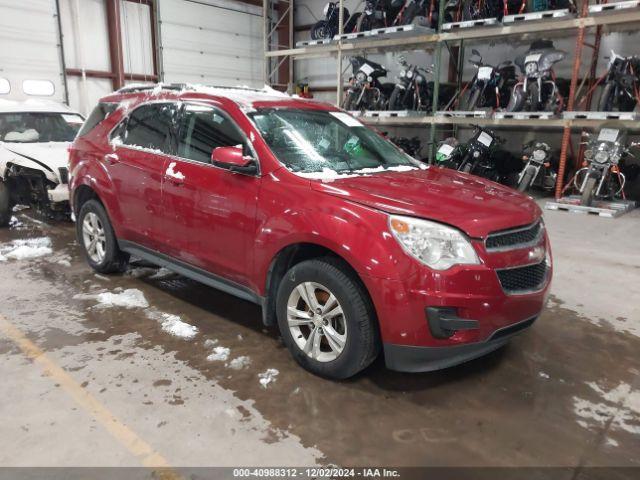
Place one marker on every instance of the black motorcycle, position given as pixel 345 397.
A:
pixel 412 90
pixel 601 177
pixel 491 86
pixel 415 11
pixel 410 146
pixel 365 90
pixel 330 26
pixel 538 90
pixel 475 156
pixel 377 14
pixel 540 169
pixel 621 84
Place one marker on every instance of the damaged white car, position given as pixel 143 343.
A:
pixel 34 137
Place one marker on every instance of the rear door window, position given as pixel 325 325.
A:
pixel 100 113
pixel 150 127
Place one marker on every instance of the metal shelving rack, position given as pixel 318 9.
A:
pixel 612 21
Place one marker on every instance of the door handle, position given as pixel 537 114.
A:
pixel 111 158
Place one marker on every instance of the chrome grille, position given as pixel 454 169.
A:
pixel 523 279
pixel 514 238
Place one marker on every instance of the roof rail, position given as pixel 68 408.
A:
pixel 146 87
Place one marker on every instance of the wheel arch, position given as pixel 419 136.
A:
pixel 294 254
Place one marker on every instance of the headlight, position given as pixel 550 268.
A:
pixel 602 156
pixel 531 67
pixel 403 73
pixel 433 244
pixel 409 74
pixel 361 76
pixel 588 154
pixel 539 155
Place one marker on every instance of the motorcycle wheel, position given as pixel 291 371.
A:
pixel 320 30
pixel 605 104
pixel 588 193
pixel 466 168
pixel 364 24
pixel 409 13
pixel 534 105
pixel 351 25
pixel 395 100
pixel 526 181
pixel 516 101
pixel 472 100
pixel 349 102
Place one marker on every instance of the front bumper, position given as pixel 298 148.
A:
pixel 59 194
pixel 409 358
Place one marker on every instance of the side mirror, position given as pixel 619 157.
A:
pixel 475 52
pixel 234 160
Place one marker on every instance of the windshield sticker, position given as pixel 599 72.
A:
pixel 74 119
pixel 445 149
pixel 485 139
pixel 484 73
pixel 366 68
pixel 608 135
pixel 348 120
pixel 532 58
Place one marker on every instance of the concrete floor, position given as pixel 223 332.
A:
pixel 85 385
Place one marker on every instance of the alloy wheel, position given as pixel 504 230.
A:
pixel 93 235
pixel 316 321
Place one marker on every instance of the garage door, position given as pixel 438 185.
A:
pixel 212 42
pixel 30 42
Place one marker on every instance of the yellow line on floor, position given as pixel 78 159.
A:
pixel 118 430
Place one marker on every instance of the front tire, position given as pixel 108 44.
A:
pixel 605 104
pixel 526 181
pixel 98 241
pixel 396 99
pixel 588 193
pixel 326 319
pixel 5 204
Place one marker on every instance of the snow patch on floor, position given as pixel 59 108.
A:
pixel 239 363
pixel 219 354
pixel 25 249
pixel 267 377
pixel 174 325
pixel 129 298
pixel 543 375
pixel 620 407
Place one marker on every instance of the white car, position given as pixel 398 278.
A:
pixel 34 138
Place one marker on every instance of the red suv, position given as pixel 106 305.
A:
pixel 348 245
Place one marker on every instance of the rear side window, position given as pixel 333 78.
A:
pixel 203 129
pixel 100 113
pixel 150 127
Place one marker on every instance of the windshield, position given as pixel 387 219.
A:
pixel 317 141
pixel 39 127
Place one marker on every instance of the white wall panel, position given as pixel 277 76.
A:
pixel 86 40
pixel 213 42
pixel 29 45
pixel 137 38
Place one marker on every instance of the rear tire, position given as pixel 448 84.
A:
pixel 359 338
pixel 395 101
pixel 111 259
pixel 5 204
pixel 588 193
pixel 516 101
pixel 320 30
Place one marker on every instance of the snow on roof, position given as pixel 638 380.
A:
pixel 241 95
pixel 33 105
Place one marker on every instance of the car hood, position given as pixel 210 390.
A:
pixel 472 204
pixel 51 155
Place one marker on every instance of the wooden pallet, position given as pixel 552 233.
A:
pixel 537 16
pixel 485 22
pixel 613 7
pixel 607 209
pixel 600 115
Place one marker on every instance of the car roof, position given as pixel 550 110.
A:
pixel 245 97
pixel 33 105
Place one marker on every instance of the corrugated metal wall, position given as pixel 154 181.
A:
pixel 29 45
pixel 208 41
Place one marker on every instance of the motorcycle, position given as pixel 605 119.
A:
pixel 366 91
pixel 604 155
pixel 412 90
pixel 377 14
pixel 410 146
pixel 539 169
pixel 474 156
pixel 491 86
pixel 538 90
pixel 621 85
pixel 545 5
pixel 416 11
pixel 330 26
